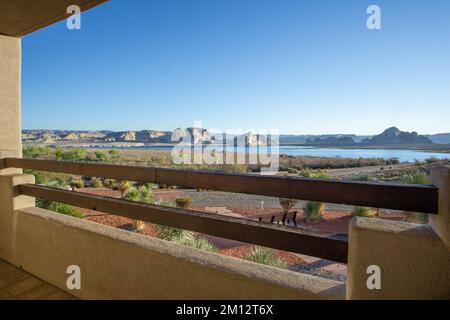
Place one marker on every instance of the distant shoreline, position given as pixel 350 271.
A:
pixel 441 148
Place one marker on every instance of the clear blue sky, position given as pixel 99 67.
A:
pixel 295 66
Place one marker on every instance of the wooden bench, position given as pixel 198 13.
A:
pixel 281 218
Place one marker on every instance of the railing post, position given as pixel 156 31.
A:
pixel 10 201
pixel 412 261
pixel 440 177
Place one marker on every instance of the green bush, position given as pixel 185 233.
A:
pixel 415 217
pixel 203 244
pixel 417 177
pixel 59 153
pixel 316 174
pixel 313 211
pixel 77 183
pixel 97 183
pixel 431 160
pixel 175 235
pixel 365 212
pixel 266 256
pixel 48 178
pixel 36 152
pixel 74 155
pixel 101 156
pixel 363 177
pixel 59 208
pixel 114 155
pixel 184 203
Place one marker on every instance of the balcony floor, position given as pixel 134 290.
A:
pixel 16 284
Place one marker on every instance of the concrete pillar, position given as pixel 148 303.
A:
pixel 10 77
pixel 413 261
pixel 440 177
pixel 10 201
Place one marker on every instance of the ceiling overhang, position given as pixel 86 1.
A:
pixel 21 17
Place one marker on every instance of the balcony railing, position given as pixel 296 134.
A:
pixel 414 198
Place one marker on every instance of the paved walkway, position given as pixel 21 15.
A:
pixel 16 284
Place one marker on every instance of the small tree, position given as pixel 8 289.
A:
pixel 287 204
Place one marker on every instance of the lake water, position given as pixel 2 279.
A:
pixel 402 155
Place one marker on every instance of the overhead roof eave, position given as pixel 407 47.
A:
pixel 21 17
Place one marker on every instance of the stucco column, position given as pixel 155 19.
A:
pixel 10 201
pixel 440 177
pixel 10 77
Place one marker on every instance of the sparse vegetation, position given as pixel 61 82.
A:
pixel 363 177
pixel 316 174
pixel 59 208
pixel 313 211
pixel 365 212
pixel 36 152
pixel 184 202
pixel 417 177
pixel 266 256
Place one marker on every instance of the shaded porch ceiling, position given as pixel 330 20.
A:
pixel 21 17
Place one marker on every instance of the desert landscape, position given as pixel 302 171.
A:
pixel 321 218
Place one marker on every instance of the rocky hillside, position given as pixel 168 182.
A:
pixel 394 136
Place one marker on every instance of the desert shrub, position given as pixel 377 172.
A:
pixel 416 217
pixel 184 203
pixel 363 177
pixel 101 156
pixel 393 161
pixel 202 244
pixel 111 184
pixel 431 160
pixel 175 235
pixel 59 208
pixel 141 194
pixel 306 173
pixel 97 183
pixel 74 155
pixel 51 179
pixel 77 183
pixel 36 152
pixel 124 187
pixel 287 204
pixel 417 177
pixel 313 211
pixel 365 212
pixel 316 174
pixel 266 256
pixel 59 153
pixel 114 155
pixel 292 171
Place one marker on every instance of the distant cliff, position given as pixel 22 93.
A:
pixel 394 136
